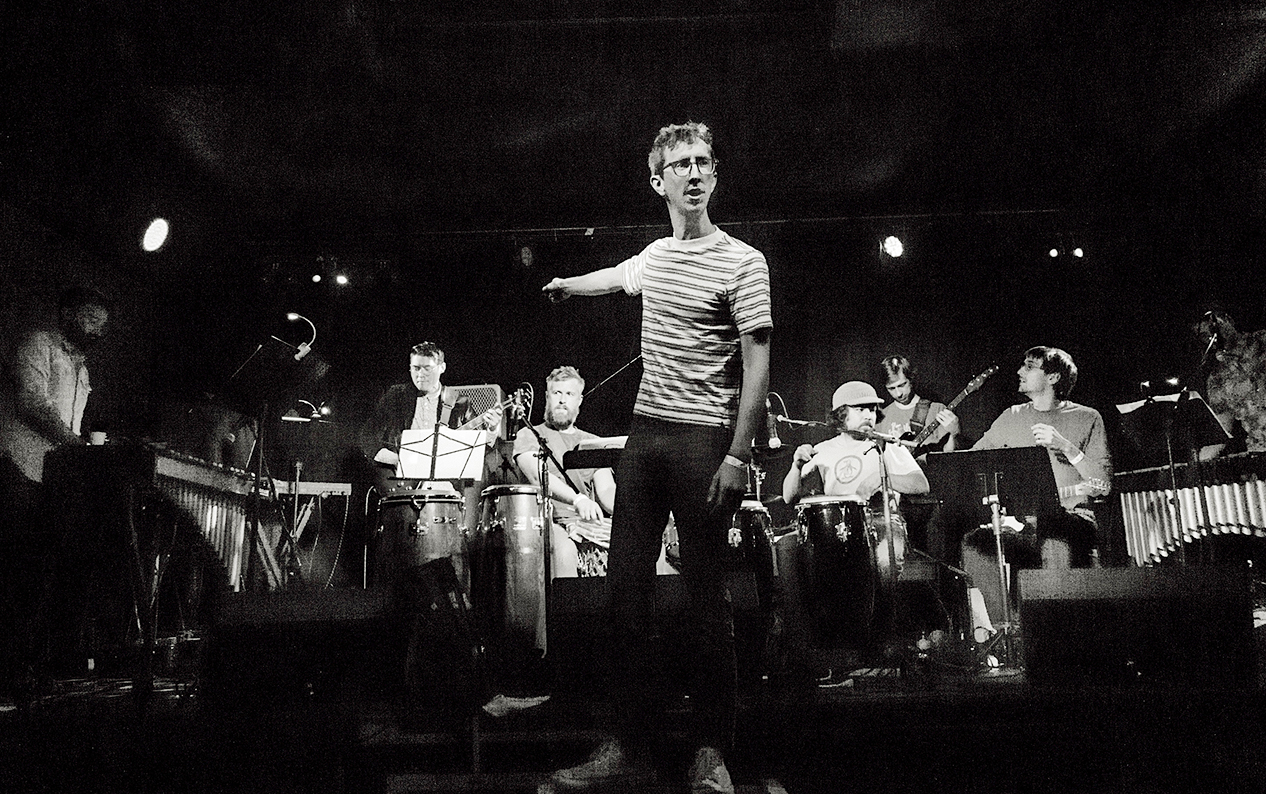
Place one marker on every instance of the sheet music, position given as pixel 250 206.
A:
pixel 458 454
pixel 1125 408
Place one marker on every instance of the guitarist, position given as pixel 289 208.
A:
pixel 908 413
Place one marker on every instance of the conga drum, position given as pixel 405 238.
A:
pixel 418 526
pixel 508 564
pixel 839 585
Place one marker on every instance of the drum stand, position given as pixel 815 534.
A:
pixel 544 455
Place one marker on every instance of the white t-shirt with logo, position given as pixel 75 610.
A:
pixel 844 463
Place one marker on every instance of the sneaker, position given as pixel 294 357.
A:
pixel 609 766
pixel 708 773
pixel 501 705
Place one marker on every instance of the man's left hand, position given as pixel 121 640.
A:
pixel 728 487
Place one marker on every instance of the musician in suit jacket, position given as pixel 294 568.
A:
pixel 423 402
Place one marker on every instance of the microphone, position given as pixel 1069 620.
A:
pixel 1213 340
pixel 799 422
pixel 771 424
pixel 870 434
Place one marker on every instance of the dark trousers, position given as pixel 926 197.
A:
pixel 1063 540
pixel 667 466
pixel 23 547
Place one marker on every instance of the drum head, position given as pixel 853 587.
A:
pixel 823 499
pixel 420 495
pixel 496 491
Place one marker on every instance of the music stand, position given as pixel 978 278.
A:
pixel 1018 480
pixel 441 453
pixel 1161 424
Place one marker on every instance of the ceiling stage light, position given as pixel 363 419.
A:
pixel 892 246
pixel 155 235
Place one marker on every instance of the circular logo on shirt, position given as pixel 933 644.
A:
pixel 847 468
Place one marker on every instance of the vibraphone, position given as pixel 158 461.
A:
pixel 216 499
pixel 212 497
pixel 1224 496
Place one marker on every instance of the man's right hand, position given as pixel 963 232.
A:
pixel 586 508
pixel 803 454
pixel 556 290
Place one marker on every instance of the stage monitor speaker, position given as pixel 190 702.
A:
pixel 1127 626
pixel 296 647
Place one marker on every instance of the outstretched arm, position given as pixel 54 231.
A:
pixel 597 282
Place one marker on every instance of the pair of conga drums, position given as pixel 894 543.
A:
pixel 845 570
pixel 500 563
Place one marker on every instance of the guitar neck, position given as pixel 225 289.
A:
pixel 931 427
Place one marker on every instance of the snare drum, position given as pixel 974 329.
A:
pixel 508 562
pixel 839 585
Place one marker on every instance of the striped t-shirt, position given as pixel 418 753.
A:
pixel 698 297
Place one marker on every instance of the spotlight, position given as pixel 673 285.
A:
pixel 1077 252
pixel 341 280
pixel 155 235
pixel 892 246
pixel 1054 252
pixel 316 278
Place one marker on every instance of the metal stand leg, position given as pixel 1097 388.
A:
pixel 1003 639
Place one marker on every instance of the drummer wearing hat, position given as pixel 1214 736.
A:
pixel 848 465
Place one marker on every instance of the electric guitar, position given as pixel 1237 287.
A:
pixel 920 439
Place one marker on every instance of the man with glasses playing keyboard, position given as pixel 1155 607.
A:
pixel 706 324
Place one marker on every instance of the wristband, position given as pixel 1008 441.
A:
pixel 736 463
pixel 579 496
pixel 1080 456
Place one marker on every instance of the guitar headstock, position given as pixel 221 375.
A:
pixel 980 379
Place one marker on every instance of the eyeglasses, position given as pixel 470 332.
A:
pixel 706 165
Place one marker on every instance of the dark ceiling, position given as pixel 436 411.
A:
pixel 364 124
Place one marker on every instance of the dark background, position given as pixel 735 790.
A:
pixel 416 147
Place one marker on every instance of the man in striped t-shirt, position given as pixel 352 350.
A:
pixel 706 323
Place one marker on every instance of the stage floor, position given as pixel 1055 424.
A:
pixel 890 730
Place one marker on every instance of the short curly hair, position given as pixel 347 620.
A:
pixel 565 373
pixel 673 135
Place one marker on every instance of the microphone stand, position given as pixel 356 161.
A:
pixel 1005 630
pixel 885 489
pixel 546 503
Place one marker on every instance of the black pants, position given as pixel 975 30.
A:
pixel 666 466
